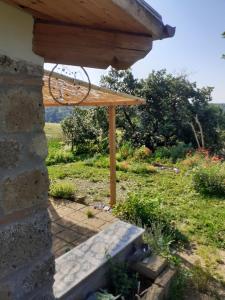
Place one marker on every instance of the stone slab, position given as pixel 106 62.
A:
pixel 82 270
pixel 164 280
pixel 151 266
pixel 155 292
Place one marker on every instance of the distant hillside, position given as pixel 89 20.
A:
pixel 222 105
pixel 57 114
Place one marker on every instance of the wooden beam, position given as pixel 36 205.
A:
pixel 101 102
pixel 112 152
pixel 83 46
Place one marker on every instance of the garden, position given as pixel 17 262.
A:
pixel 170 177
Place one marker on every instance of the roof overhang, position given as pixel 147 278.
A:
pixel 94 33
pixel 74 91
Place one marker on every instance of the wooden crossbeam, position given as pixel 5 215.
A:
pixel 82 46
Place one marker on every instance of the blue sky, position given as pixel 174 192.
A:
pixel 196 48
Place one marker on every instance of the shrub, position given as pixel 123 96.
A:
pixel 123 166
pixel 60 156
pixel 102 162
pixel 173 153
pixel 145 212
pixel 209 179
pixel 158 240
pixel 81 131
pixel 142 153
pixel 64 190
pixel 125 151
pixel 192 161
pixel 161 153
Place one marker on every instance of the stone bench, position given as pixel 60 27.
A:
pixel 82 270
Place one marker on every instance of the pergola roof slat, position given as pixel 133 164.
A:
pixel 74 90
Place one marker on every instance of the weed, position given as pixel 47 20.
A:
pixel 179 284
pixel 159 240
pixel 64 190
pixel 89 214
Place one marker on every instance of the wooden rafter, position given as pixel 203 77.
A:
pixel 72 94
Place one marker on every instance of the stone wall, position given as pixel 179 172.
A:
pixel 26 262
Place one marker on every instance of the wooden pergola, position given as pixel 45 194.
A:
pixel 74 91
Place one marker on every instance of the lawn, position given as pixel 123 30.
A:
pixel 200 218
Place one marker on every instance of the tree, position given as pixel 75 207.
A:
pixel 172 104
pixel 176 110
pixel 124 82
pixel 81 129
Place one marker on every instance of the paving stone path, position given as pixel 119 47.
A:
pixel 71 225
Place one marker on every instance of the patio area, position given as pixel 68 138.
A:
pixel 71 225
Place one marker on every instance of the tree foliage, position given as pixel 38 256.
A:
pixel 81 129
pixel 176 110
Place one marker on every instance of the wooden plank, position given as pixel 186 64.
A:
pixel 106 103
pixel 112 153
pixel 122 15
pixel 69 35
pixel 87 47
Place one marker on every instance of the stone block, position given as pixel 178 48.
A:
pixel 155 292
pixel 39 146
pixel 9 153
pixel 151 266
pixel 165 278
pixel 45 294
pixel 23 241
pixel 26 190
pixel 28 281
pixel 21 110
pixel 19 67
pixel 41 274
pixel 5 293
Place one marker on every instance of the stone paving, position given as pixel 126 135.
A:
pixel 71 225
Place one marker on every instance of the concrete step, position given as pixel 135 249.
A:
pixel 83 269
pixel 161 287
pixel 151 266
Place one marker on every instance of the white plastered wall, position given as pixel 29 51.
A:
pixel 16 33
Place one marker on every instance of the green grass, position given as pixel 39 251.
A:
pixel 62 190
pixel 199 217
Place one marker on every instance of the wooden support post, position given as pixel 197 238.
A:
pixel 112 152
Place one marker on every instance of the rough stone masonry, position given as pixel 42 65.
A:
pixel 26 262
